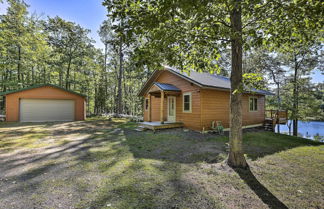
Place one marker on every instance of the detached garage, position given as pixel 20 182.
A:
pixel 43 103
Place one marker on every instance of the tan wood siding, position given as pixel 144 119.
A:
pixel 190 120
pixel 155 109
pixel 207 105
pixel 216 106
pixel 250 118
pixel 45 92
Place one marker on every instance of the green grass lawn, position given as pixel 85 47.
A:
pixel 103 164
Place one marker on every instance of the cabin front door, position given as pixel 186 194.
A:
pixel 171 108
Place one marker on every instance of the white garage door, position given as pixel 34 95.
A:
pixel 41 110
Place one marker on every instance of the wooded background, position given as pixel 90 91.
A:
pixel 36 50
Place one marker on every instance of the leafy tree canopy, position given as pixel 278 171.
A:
pixel 191 34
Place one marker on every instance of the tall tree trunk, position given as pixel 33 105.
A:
pixel 5 79
pixel 61 77
pixel 22 79
pixel 279 105
pixel 124 105
pixel 74 79
pixel 27 79
pixel 295 100
pixel 33 75
pixel 95 100
pixel 44 74
pixel 120 77
pixel 115 99
pixel 67 82
pixel 236 157
pixel 19 64
pixel 88 97
pixel 106 77
pixel 278 95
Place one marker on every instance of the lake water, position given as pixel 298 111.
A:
pixel 307 129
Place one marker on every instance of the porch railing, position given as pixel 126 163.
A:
pixel 278 116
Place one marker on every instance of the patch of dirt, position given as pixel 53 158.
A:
pixel 106 164
pixel 48 176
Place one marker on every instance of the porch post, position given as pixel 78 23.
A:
pixel 149 108
pixel 161 107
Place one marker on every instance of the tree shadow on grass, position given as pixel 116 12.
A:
pixel 135 186
pixel 190 147
pixel 261 191
pixel 174 146
pixel 169 147
pixel 66 161
pixel 259 144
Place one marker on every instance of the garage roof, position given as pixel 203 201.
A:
pixel 39 86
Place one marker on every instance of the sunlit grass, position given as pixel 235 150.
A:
pixel 117 167
pixel 27 140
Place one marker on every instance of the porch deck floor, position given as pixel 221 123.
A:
pixel 155 125
pixel 279 120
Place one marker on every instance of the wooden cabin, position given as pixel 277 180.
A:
pixel 194 100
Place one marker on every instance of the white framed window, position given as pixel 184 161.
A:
pixel 187 103
pixel 253 104
pixel 146 104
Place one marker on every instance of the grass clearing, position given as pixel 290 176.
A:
pixel 32 138
pixel 106 164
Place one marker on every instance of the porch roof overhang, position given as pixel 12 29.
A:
pixel 167 93
pixel 167 89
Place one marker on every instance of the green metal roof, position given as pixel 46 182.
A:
pixel 38 86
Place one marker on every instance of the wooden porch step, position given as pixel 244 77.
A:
pixel 157 125
pixel 268 127
pixel 140 128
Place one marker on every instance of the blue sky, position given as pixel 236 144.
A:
pixel 317 77
pixel 89 14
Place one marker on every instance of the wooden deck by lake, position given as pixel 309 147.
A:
pixel 274 117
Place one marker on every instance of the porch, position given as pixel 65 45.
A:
pixel 278 116
pixel 166 114
pixel 273 117
pixel 156 125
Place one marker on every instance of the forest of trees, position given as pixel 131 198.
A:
pixel 36 49
pixel 271 44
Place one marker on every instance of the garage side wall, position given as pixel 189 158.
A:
pixel 47 92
